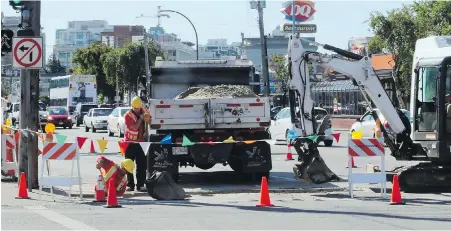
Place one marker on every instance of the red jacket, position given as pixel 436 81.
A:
pixel 130 119
pixel 113 172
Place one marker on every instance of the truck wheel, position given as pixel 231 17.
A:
pixel 93 128
pixel 86 128
pixel 205 166
pixel 328 143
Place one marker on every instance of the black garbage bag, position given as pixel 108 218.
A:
pixel 161 186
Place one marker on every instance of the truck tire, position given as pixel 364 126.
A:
pixel 328 143
pixel 205 166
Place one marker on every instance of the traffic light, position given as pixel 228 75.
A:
pixel 16 4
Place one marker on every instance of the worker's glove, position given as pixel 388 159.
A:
pixel 147 117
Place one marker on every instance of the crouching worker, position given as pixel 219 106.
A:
pixel 116 173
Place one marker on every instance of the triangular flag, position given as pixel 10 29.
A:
pixel 32 133
pixel 250 141
pixel 313 138
pixel 291 134
pixel 167 139
pixel 81 141
pixel 25 132
pixel 229 140
pixel 60 138
pixel 102 145
pixel 336 136
pixel 186 141
pixel 17 137
pixel 145 147
pixel 123 145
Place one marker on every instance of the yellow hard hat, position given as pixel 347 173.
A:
pixel 128 164
pixel 136 102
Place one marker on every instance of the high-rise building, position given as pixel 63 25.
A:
pixel 78 34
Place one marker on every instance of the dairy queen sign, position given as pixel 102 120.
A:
pixel 303 11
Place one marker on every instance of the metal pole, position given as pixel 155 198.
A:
pixel 293 5
pixel 146 57
pixel 263 49
pixel 195 31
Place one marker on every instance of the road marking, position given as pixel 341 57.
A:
pixel 285 178
pixel 59 218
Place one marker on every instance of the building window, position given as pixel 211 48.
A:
pixel 80 35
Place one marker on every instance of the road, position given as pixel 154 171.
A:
pixel 225 202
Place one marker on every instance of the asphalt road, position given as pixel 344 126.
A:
pixel 217 198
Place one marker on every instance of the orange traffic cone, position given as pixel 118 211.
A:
pixel 289 154
pixel 352 163
pixel 264 194
pixel 23 193
pixel 396 193
pixel 92 147
pixel 99 190
pixel 112 199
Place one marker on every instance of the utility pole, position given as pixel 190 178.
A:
pixel 146 61
pixel 29 98
pixel 260 6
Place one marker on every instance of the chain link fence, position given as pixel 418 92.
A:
pixel 339 97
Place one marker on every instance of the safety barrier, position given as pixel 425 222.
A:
pixel 9 143
pixel 62 152
pixel 366 148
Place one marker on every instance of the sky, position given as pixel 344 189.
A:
pixel 337 21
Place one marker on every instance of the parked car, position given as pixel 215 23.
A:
pixel 282 123
pixel 116 121
pixel 59 116
pixel 273 112
pixel 81 110
pixel 97 119
pixel 367 124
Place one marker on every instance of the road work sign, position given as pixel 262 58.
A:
pixel 27 53
pixel 300 28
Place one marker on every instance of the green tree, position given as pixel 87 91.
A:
pixel 89 61
pixel 54 65
pixel 397 32
pixel 278 64
pixel 45 99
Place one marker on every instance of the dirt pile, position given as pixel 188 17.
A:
pixel 219 91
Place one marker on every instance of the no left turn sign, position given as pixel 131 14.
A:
pixel 27 53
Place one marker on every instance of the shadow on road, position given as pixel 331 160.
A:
pixel 409 201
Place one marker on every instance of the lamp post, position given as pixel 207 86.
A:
pixel 195 31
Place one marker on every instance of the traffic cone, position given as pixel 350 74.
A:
pixel 23 193
pixel 99 190
pixel 112 199
pixel 352 163
pixel 289 154
pixel 396 192
pixel 264 194
pixel 92 147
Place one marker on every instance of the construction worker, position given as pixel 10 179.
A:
pixel 111 171
pixel 136 121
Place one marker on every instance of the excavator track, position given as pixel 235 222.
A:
pixel 425 178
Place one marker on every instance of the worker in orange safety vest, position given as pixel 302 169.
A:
pixel 136 121
pixel 112 172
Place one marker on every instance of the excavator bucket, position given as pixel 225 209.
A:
pixel 161 186
pixel 311 166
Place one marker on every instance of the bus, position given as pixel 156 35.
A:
pixel 70 90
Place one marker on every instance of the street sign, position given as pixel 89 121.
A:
pixel 7 40
pixel 27 52
pixel 299 28
pixel 303 10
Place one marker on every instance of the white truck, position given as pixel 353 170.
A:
pixel 209 120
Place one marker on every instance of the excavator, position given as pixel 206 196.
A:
pixel 425 137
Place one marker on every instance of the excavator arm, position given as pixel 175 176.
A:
pixel 359 68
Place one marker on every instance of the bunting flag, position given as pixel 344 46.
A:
pixel 102 145
pixel 41 136
pixel 60 138
pixel 123 145
pixel 291 134
pixel 81 141
pixel 145 147
pixel 229 140
pixel 250 141
pixel 209 142
pixel 25 132
pixel 167 139
pixel 312 138
pixel 186 142
pixel 336 136
pixel 357 135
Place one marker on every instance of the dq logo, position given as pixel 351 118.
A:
pixel 303 10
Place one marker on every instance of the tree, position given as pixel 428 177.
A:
pixel 398 31
pixel 278 64
pixel 89 61
pixel 45 99
pixel 54 65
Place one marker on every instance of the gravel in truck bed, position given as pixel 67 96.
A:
pixel 219 91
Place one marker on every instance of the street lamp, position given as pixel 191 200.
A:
pixel 197 39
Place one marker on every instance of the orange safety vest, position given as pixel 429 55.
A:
pixel 112 171
pixel 131 134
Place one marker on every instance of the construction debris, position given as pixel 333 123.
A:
pixel 219 91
